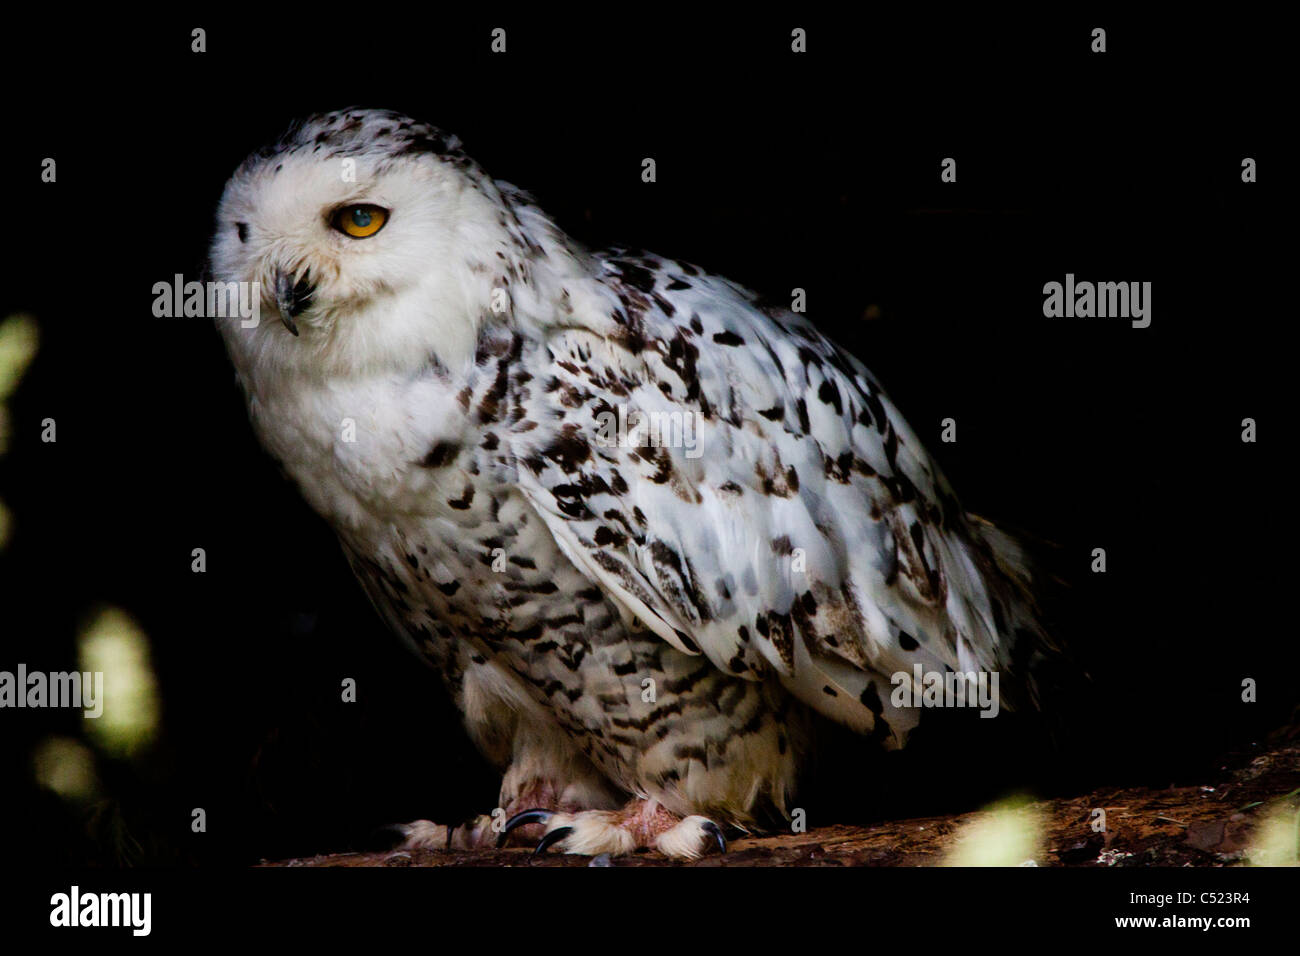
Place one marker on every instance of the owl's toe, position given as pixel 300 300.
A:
pixel 427 835
pixel 691 839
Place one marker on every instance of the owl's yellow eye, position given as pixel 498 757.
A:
pixel 360 222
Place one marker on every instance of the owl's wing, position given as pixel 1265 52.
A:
pixel 789 521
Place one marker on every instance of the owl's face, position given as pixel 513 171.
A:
pixel 362 229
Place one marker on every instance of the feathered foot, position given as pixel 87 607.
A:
pixel 491 830
pixel 640 824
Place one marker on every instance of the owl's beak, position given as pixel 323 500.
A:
pixel 291 298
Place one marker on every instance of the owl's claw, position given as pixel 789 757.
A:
pixel 555 836
pixel 522 818
pixel 711 828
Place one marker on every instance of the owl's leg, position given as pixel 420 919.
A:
pixel 640 824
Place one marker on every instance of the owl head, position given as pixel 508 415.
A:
pixel 375 242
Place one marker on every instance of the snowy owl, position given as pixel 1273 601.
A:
pixel 643 523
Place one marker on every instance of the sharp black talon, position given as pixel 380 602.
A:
pixel 709 826
pixel 555 836
pixel 519 819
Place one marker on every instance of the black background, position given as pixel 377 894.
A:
pixel 818 171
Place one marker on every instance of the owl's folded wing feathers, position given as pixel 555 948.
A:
pixel 788 521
